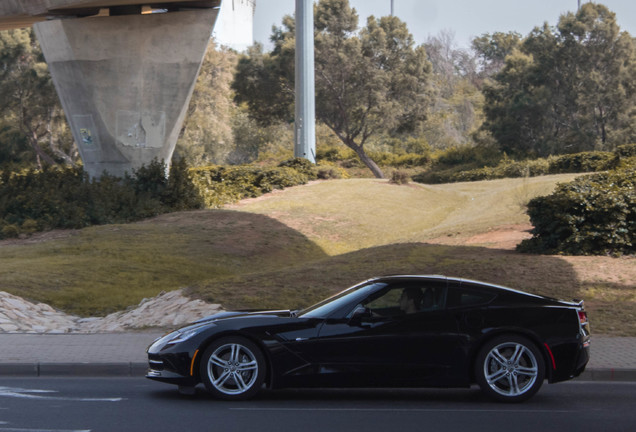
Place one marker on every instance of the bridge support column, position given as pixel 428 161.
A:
pixel 125 82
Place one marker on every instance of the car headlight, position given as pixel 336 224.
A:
pixel 182 336
pixel 175 337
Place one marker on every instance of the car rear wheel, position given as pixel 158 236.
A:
pixel 510 368
pixel 233 368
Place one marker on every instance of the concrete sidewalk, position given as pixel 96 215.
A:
pixel 124 354
pixel 95 354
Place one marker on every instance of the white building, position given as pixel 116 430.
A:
pixel 235 24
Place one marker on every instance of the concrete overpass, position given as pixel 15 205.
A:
pixel 25 13
pixel 124 70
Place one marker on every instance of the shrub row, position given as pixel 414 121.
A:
pixel 626 151
pixel 477 163
pixel 593 215
pixel 471 156
pixel 66 198
pixel 220 185
pixel 348 159
pixel 507 168
pixel 33 201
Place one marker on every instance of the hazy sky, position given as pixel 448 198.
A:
pixel 466 18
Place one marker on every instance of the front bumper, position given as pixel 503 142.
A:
pixel 171 377
pixel 173 364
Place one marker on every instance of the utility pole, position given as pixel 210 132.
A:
pixel 305 119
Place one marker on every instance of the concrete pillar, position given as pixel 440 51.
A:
pixel 125 82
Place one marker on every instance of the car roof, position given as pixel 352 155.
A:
pixel 480 284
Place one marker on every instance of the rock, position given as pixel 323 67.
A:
pixel 8 328
pixel 169 309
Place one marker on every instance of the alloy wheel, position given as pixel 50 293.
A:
pixel 510 369
pixel 232 369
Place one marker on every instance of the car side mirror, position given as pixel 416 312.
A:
pixel 360 313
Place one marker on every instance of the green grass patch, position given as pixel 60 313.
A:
pixel 342 216
pixel 104 269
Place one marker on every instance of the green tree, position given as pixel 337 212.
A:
pixel 492 50
pixel 368 81
pixel 566 89
pixel 206 136
pixel 28 101
pixel 604 76
pixel 456 111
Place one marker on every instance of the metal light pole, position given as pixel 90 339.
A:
pixel 305 120
pixel 392 8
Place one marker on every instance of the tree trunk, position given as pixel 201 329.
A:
pixel 603 130
pixel 41 155
pixel 359 149
pixel 375 169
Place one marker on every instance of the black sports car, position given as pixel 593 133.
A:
pixel 395 331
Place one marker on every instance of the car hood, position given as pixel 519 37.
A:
pixel 241 314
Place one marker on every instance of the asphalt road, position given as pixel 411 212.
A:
pixel 136 404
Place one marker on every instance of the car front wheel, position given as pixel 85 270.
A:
pixel 510 368
pixel 233 368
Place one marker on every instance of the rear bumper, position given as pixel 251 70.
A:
pixel 571 360
pixel 582 359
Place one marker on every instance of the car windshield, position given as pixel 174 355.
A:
pixel 350 295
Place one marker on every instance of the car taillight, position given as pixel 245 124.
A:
pixel 582 317
pixel 584 324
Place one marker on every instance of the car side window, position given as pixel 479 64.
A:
pixel 405 299
pixel 462 296
pixel 387 304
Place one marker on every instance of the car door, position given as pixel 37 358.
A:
pixel 387 346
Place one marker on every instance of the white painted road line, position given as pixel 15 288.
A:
pixel 42 430
pixel 502 411
pixel 38 394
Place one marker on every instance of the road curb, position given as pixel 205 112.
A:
pixel 608 374
pixel 73 369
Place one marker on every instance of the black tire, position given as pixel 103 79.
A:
pixel 233 368
pixel 510 368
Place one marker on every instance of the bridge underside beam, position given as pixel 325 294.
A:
pixel 20 13
pixel 125 82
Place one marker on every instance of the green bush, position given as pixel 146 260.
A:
pixel 399 177
pixel 220 185
pixel 468 156
pixel 33 201
pixel 593 215
pixel 180 192
pixel 67 198
pixel 508 168
pixel 347 158
pixel 583 162
pixel 328 172
pixel 626 151
pixel 302 166
pixel 9 230
pixel 405 160
pixel 334 154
